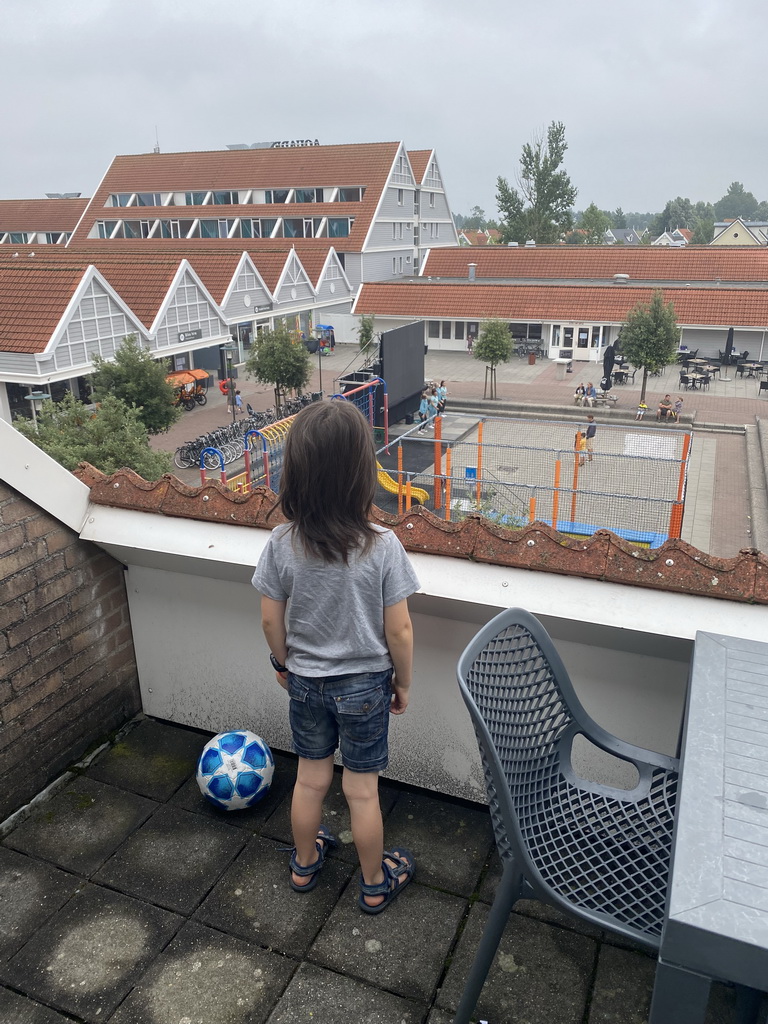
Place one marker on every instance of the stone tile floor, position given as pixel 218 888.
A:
pixel 126 898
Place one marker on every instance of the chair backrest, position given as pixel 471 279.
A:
pixel 562 830
pixel 763 386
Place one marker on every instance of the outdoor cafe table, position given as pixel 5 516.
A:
pixel 716 922
pixel 752 368
pixel 696 379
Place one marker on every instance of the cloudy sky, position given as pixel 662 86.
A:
pixel 659 99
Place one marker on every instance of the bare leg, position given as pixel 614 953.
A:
pixel 312 783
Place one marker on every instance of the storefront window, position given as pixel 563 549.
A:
pixel 583 337
pixel 433 329
pixel 458 330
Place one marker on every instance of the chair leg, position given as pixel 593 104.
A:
pixel 507 894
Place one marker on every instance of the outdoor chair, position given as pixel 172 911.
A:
pixel 762 386
pixel 596 851
pixel 740 369
pixel 686 382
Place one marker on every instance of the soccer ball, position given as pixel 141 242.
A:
pixel 235 770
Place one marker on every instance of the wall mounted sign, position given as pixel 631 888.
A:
pixel 190 335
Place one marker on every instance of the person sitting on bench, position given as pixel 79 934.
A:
pixel 590 394
pixel 665 408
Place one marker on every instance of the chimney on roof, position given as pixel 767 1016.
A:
pixel 472 271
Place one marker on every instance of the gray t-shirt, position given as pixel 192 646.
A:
pixel 335 615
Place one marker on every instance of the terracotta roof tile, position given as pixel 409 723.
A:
pixel 599 304
pixel 419 162
pixel 675 566
pixel 366 164
pixel 40 214
pixel 643 263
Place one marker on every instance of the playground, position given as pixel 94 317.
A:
pixel 513 472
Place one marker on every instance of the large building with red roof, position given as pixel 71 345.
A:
pixel 189 251
pixel 573 300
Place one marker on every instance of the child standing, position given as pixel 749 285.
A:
pixel 442 395
pixel 423 411
pixel 340 680
pixel 581 447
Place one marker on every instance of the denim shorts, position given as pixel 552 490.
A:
pixel 348 712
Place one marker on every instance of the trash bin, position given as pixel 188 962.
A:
pixel 531 358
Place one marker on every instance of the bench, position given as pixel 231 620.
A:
pixel 602 398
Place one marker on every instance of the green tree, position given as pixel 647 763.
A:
pixel 618 218
pixel 649 336
pixel 736 203
pixel 542 208
pixel 111 437
pixel 138 380
pixel 594 223
pixel 703 231
pixel 493 346
pixel 365 332
pixel 275 359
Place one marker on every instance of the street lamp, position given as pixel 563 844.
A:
pixel 33 398
pixel 229 351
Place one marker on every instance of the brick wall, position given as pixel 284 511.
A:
pixel 67 666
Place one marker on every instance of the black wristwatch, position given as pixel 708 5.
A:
pixel 276 664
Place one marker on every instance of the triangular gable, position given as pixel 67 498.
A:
pixel 400 176
pixel 247 290
pixel 188 307
pixel 294 283
pixel 333 282
pixel 433 180
pixel 94 323
pixel 738 233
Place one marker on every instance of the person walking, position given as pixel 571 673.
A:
pixel 343 682
pixel 590 436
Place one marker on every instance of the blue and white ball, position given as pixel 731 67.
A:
pixel 235 770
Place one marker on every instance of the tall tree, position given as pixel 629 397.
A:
pixel 493 346
pixel 649 336
pixel 618 218
pixel 594 223
pixel 137 379
pixel 703 231
pixel 110 437
pixel 540 208
pixel 278 360
pixel 736 203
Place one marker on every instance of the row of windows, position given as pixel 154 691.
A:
pixel 397 264
pixel 237 227
pixel 585 337
pixel 442 329
pixel 236 197
pixel 34 237
pixel 401 199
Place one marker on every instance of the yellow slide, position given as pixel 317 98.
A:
pixel 386 481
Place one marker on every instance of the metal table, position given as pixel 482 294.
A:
pixel 717 912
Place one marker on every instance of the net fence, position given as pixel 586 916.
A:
pixel 632 482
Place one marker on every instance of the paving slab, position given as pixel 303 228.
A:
pixel 251 819
pixel 81 825
pixel 30 892
pixel 535 908
pixel 153 759
pixel 173 859
pixel 91 953
pixel 335 816
pixel 438 1016
pixel 254 900
pixel 403 949
pixel 623 988
pixel 16 1009
pixel 450 841
pixel 204 976
pixel 316 996
pixel 540 974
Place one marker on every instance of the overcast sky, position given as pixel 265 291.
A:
pixel 659 98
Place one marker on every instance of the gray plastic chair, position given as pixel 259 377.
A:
pixel 594 851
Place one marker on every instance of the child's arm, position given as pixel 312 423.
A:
pixel 399 636
pixel 273 624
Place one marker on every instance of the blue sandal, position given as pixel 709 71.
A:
pixel 391 887
pixel 311 871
